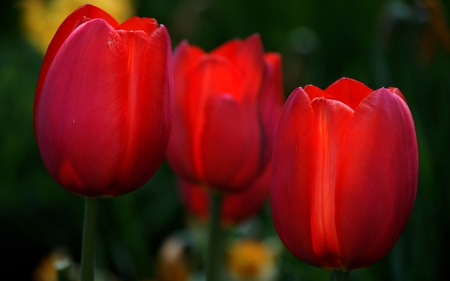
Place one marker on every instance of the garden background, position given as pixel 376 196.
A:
pixel 405 44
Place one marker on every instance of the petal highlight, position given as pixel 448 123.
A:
pixel 331 119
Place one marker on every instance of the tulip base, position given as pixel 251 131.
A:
pixel 89 239
pixel 214 246
pixel 340 275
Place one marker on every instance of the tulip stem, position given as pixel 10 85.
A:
pixel 89 239
pixel 340 275
pixel 214 249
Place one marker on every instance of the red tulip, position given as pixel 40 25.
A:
pixel 226 109
pixel 344 173
pixel 102 105
pixel 236 207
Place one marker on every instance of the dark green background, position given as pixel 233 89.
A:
pixel 377 42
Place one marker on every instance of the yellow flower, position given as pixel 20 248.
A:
pixel 45 271
pixel 57 260
pixel 251 260
pixel 172 263
pixel 41 18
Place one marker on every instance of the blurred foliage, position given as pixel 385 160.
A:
pixel 381 43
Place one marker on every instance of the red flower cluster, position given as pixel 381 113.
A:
pixel 345 160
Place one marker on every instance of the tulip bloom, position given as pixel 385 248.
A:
pixel 226 109
pixel 102 104
pixel 236 207
pixel 344 173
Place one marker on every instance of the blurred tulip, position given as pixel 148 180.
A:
pixel 236 207
pixel 41 18
pixel 102 104
pixel 344 174
pixel 226 109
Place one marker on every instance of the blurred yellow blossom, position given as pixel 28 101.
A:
pixel 41 18
pixel 45 271
pixel 58 265
pixel 57 260
pixel 172 263
pixel 251 260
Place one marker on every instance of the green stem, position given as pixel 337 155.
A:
pixel 214 249
pixel 133 236
pixel 89 239
pixel 340 275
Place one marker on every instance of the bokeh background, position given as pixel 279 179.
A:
pixel 402 43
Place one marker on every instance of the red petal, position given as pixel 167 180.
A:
pixel 247 58
pixel 293 163
pixel 377 178
pixel 180 152
pixel 230 143
pixel 331 119
pixel 148 117
pixel 272 97
pixel 229 49
pixel 185 59
pixel 316 92
pixel 251 66
pixel 213 79
pixel 136 23
pixel 397 92
pixel 79 139
pixel 348 91
pixel 65 29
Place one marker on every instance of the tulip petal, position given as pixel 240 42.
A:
pixel 186 56
pixel 70 125
pixel 293 165
pixel 148 25
pixel 148 104
pixel 246 57
pixel 316 92
pixel 213 79
pixel 348 91
pixel 229 49
pixel 377 178
pixel 230 150
pixel 331 119
pixel 65 29
pixel 179 154
pixel 397 92
pixel 271 101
